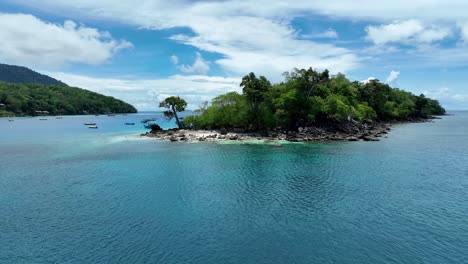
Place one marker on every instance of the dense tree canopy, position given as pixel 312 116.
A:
pixel 26 99
pixel 307 96
pixel 174 104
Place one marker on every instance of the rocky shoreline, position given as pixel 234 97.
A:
pixel 334 131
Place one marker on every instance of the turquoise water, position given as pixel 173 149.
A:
pixel 69 194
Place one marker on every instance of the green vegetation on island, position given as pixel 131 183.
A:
pixel 306 98
pixel 34 99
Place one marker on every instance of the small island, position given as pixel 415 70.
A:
pixel 307 106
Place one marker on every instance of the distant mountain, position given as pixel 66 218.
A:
pixel 19 74
pixel 26 92
pixel 37 99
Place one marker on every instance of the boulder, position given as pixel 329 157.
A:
pixel 223 131
pixel 155 128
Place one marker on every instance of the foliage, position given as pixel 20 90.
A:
pixel 255 91
pixel 307 96
pixel 17 74
pixel 174 104
pixel 227 110
pixel 26 99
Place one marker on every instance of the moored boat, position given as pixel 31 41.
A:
pixel 144 121
pixel 89 124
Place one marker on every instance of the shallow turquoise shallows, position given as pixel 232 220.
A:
pixel 70 194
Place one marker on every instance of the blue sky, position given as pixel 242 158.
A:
pixel 144 52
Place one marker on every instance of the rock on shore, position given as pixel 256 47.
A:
pixel 332 131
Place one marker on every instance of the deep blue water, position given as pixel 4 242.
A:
pixel 69 194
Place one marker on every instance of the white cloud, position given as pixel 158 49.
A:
pixel 366 81
pixel 199 66
pixel 408 32
pixel 174 59
pixel 451 99
pixel 463 26
pixel 145 94
pixel 264 40
pixel 268 48
pixel 248 38
pixel 27 40
pixel 329 33
pixel 384 10
pixel 393 76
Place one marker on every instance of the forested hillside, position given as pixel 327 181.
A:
pixel 26 99
pixel 18 74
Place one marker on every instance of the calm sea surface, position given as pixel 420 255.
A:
pixel 69 194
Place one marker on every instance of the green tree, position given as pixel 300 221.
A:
pixel 255 90
pixel 174 104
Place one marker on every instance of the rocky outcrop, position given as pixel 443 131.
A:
pixel 324 132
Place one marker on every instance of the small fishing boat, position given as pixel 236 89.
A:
pixel 110 115
pixel 129 124
pixel 144 121
pixel 42 119
pixel 89 124
pixel 58 117
pixel 93 127
pixel 10 120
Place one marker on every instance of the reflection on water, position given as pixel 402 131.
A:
pixel 108 196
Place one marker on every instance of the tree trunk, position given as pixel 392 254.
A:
pixel 176 117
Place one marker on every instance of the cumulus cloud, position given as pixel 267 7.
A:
pixel 449 98
pixel 174 59
pixel 368 80
pixel 384 10
pixel 199 66
pixel 264 39
pixel 27 40
pixel 247 37
pixel 393 76
pixel 408 32
pixel 145 94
